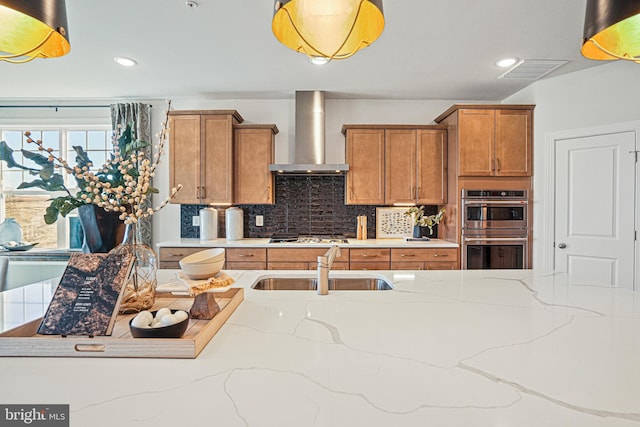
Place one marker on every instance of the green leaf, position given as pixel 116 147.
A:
pixel 55 183
pixel 82 158
pixel 37 158
pixel 60 206
pixel 6 154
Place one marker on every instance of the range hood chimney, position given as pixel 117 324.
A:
pixel 309 139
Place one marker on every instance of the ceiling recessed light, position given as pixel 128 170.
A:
pixel 124 61
pixel 506 62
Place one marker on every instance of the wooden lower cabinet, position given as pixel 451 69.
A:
pixel 246 259
pixel 424 259
pixel 370 259
pixel 307 258
pixel 303 259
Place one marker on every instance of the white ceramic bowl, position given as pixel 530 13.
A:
pixel 201 270
pixel 206 256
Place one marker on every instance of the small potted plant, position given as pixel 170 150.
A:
pixel 421 220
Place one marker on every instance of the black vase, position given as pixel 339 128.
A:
pixel 103 230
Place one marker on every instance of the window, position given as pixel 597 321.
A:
pixel 28 206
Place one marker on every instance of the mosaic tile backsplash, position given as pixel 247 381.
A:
pixel 304 205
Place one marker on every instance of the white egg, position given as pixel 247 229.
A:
pixel 158 325
pixel 140 322
pixel 163 311
pixel 168 319
pixel 142 319
pixel 147 314
pixel 155 323
pixel 181 315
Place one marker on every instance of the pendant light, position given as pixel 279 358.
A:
pixel 32 29
pixel 327 29
pixel 612 30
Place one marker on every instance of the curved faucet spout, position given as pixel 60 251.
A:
pixel 324 265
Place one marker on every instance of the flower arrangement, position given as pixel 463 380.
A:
pixel 420 219
pixel 123 184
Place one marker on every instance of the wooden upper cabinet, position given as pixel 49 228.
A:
pixel 184 149
pixel 415 166
pixel 364 152
pixel 201 155
pixel 514 148
pixel 492 140
pixel 476 141
pixel 431 175
pixel 253 152
pixel 400 166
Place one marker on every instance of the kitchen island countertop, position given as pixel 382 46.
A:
pixel 443 348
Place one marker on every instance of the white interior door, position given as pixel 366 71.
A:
pixel 595 199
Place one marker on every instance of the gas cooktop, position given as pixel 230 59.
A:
pixel 295 238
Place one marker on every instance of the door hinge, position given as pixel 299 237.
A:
pixel 635 235
pixel 635 153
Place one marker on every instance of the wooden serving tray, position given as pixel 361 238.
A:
pixel 24 341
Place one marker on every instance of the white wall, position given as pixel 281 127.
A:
pixel 597 96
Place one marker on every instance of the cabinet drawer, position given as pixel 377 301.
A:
pixel 370 265
pixel 304 255
pixel 442 265
pixel 235 265
pixel 291 265
pixel 420 265
pixel 177 253
pixel 368 255
pixel 424 254
pixel 246 254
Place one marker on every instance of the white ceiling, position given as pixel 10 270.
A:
pixel 225 50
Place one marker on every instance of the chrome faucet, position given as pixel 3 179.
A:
pixel 324 265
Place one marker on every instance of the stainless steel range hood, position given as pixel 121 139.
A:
pixel 309 139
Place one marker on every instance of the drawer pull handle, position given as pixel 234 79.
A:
pixel 245 255
pixel 408 255
pixel 96 348
pixel 369 256
pixel 440 255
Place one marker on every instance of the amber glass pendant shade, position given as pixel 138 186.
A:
pixel 33 29
pixel 331 29
pixel 612 30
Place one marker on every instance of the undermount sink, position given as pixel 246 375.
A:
pixel 310 284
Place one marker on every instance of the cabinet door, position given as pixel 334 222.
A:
pixel 217 167
pixel 400 166
pixel 253 182
pixel 476 135
pixel 513 143
pixel 365 156
pixel 432 167
pixel 184 149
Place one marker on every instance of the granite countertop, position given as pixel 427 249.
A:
pixel 264 243
pixel 446 348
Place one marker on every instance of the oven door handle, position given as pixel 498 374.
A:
pixel 496 202
pixel 496 239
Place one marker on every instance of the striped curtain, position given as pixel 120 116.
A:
pixel 138 115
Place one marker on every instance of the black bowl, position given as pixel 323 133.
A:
pixel 172 331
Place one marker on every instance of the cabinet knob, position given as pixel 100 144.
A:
pixel 562 245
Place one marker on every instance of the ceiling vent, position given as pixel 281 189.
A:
pixel 532 69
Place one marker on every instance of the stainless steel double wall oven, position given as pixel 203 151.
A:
pixel 495 229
